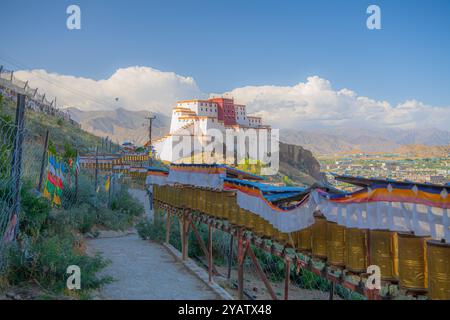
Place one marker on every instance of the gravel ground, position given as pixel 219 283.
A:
pixel 145 270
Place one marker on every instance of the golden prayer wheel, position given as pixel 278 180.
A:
pixel 304 240
pixel 356 250
pixel 187 197
pixel 269 230
pixel 162 193
pixel 281 237
pixel 202 201
pixel 335 244
pixel 233 211
pixel 259 226
pixel 195 198
pixel 182 197
pixel 229 199
pixel 249 219
pixel 412 262
pixel 177 197
pixel 253 219
pixel 319 238
pixel 384 253
pixel 438 255
pixel 219 204
pixel 243 218
pixel 171 191
pixel 191 198
pixel 168 193
pixel 209 210
pixel 155 192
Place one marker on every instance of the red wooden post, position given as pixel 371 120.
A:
pixel 202 244
pixel 240 261
pixel 230 256
pixel 185 231
pixel 210 253
pixel 287 276
pixel 167 226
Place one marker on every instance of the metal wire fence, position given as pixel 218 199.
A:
pixel 39 157
pixel 11 85
pixel 8 132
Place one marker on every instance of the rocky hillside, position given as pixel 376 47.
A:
pixel 299 164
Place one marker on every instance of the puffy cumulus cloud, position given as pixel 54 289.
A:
pixel 138 88
pixel 315 104
pixel 306 105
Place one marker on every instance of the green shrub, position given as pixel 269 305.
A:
pixel 151 230
pixel 35 211
pixel 46 261
pixel 48 243
pixel 126 203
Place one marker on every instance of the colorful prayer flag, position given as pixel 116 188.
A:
pixel 107 183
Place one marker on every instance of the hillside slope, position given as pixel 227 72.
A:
pixel 299 164
pixel 338 140
pixel 61 133
pixel 121 124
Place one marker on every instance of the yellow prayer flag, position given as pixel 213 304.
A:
pixel 57 200
pixel 107 183
pixel 46 194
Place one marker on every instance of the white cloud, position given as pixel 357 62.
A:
pixel 310 104
pixel 315 103
pixel 138 88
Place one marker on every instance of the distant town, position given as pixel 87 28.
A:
pixel 434 170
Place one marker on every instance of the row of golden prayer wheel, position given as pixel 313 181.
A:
pixel 417 263
pixel 93 165
pixel 132 158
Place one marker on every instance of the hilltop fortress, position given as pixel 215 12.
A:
pixel 218 128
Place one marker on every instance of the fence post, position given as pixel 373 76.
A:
pixel 109 190
pixel 96 169
pixel 44 155
pixel 167 225
pixel 76 178
pixel 332 288
pixel 17 162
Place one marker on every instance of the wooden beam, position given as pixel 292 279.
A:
pixel 287 277
pixel 167 226
pixel 230 256
pixel 202 244
pixel 210 253
pixel 240 262
pixel 261 273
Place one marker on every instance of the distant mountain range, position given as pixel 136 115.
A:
pixel 336 140
pixel 121 124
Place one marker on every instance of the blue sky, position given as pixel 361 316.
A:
pixel 229 44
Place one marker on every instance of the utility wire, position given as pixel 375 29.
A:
pixel 74 91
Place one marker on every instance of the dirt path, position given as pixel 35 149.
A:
pixel 145 270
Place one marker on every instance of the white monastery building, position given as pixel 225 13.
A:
pixel 196 119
